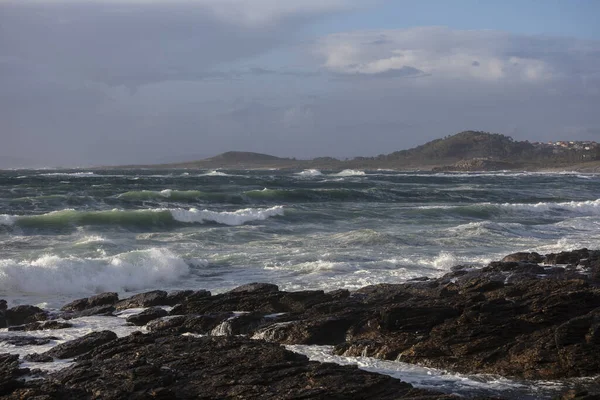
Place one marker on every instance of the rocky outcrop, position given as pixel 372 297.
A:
pixel 24 314
pixel 81 345
pixel 179 367
pixel 102 299
pixel 40 326
pixel 147 315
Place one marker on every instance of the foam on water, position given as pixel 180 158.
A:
pixel 310 172
pixel 54 275
pixel 434 379
pixel 233 218
pixel 350 172
pixel 139 218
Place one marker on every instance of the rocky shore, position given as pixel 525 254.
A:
pixel 527 316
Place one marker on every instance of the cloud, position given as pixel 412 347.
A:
pixel 245 12
pixel 444 53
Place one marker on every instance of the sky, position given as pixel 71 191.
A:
pixel 100 82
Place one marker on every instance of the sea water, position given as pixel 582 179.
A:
pixel 71 234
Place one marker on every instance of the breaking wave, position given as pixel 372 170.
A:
pixel 310 172
pixel 139 218
pixel 51 274
pixel 350 172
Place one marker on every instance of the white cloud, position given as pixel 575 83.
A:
pixel 444 53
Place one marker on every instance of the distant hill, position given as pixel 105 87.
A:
pixel 464 151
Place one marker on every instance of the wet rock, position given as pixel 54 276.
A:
pixel 147 315
pixel 3 306
pixel 24 314
pixel 38 357
pixel 10 372
pixel 102 299
pixel 20 341
pixel 39 326
pixel 256 288
pixel 81 345
pixel 177 297
pixel 177 367
pixel 143 300
pixel 533 257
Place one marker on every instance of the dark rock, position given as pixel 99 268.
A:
pixel 143 300
pixel 39 326
pixel 10 372
pixel 177 297
pixel 20 341
pixel 146 316
pixel 176 367
pixel 81 345
pixel 3 306
pixel 533 257
pixel 167 324
pixel 256 288
pixel 24 314
pixel 102 299
pixel 106 310
pixel 38 357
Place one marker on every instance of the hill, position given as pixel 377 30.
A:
pixel 464 151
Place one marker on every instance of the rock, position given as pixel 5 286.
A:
pixel 177 297
pixel 81 345
pixel 24 314
pixel 3 306
pixel 256 288
pixel 146 316
pixel 102 299
pixel 27 340
pixel 143 300
pixel 38 357
pixel 10 372
pixel 178 367
pixel 106 310
pixel 39 326
pixel 533 258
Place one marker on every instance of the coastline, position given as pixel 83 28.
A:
pixel 528 316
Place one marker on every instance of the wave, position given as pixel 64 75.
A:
pixel 350 172
pixel 310 172
pixel 129 271
pixel 363 237
pixel 139 218
pixel 590 207
pixel 215 173
pixel 71 174
pixel 175 195
pixel 314 195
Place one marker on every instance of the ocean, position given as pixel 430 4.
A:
pixel 70 234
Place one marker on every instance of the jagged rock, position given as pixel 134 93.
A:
pixel 256 288
pixel 27 340
pixel 533 257
pixel 106 310
pixel 10 372
pixel 177 367
pixel 147 315
pixel 177 297
pixel 143 300
pixel 102 299
pixel 24 314
pixel 38 357
pixel 39 326
pixel 3 306
pixel 81 345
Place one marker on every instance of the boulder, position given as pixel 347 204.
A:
pixel 24 314
pixel 146 316
pixel 82 345
pixel 143 300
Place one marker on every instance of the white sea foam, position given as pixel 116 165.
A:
pixel 7 219
pixel 71 174
pixel 350 172
pixel 215 173
pixel 435 379
pixel 310 172
pixel 129 271
pixel 233 218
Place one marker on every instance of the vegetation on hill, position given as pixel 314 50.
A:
pixel 469 150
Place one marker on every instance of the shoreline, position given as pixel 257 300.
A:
pixel 528 316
